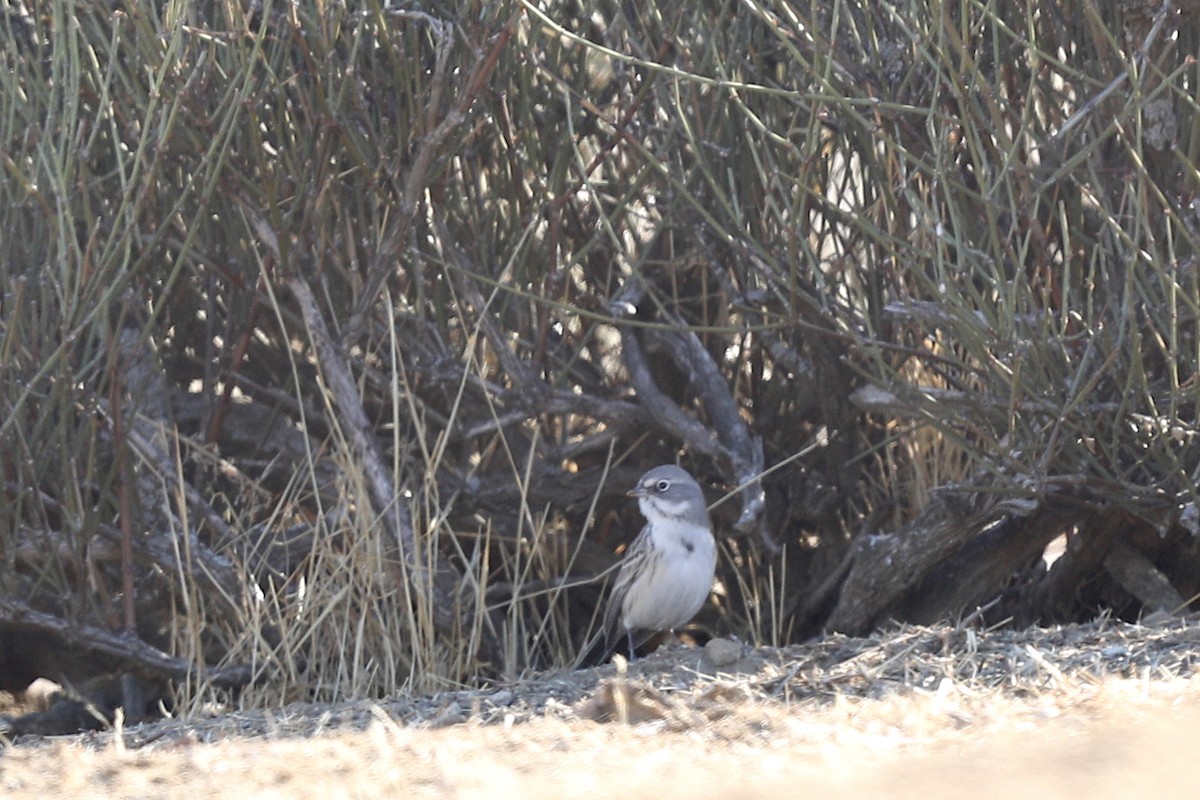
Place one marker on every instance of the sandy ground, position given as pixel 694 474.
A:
pixel 929 713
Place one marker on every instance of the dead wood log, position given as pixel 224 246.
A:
pixel 142 378
pixel 1138 576
pixel 123 648
pixel 222 576
pixel 140 417
pixel 212 573
pixel 1104 543
pixel 144 423
pixel 884 567
pixel 1053 597
pixel 90 704
pixel 978 571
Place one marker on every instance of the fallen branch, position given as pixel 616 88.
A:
pixel 1142 579
pixel 977 573
pixel 1051 598
pixel 125 648
pixel 884 567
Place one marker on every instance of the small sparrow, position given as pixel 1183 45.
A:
pixel 668 570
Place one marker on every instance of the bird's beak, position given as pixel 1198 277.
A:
pixel 637 491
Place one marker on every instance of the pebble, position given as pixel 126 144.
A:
pixel 722 652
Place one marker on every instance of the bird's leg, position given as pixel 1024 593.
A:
pixel 629 641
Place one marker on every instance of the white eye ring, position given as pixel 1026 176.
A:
pixel 662 485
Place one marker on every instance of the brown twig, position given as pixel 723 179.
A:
pixel 124 488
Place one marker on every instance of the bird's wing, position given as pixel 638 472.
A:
pixel 612 634
pixel 632 567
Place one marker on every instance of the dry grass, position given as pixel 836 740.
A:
pixel 911 247
pixel 910 713
pixel 960 664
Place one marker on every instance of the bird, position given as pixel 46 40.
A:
pixel 666 573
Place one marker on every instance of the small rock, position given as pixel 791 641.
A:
pixel 722 652
pixel 452 714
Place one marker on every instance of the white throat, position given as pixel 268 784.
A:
pixel 657 511
pixel 675 534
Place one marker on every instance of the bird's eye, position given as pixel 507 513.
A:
pixel 662 485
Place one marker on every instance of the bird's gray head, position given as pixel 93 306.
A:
pixel 670 492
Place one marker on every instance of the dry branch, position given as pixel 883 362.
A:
pixel 670 417
pixel 886 566
pixel 440 586
pixel 744 451
pixel 125 648
pixel 729 439
pixel 1142 579
pixel 979 570
pixel 1051 597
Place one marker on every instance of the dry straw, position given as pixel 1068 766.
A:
pixel 318 322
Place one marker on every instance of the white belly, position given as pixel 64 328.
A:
pixel 669 595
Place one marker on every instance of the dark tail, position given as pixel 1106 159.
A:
pixel 597 651
pixel 608 642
